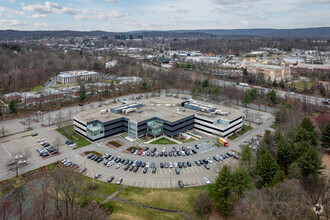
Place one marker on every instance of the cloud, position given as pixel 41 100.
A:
pixel 10 11
pixel 8 23
pixel 39 16
pixel 99 15
pixel 112 1
pixel 41 25
pixel 12 1
pixel 317 2
pixel 49 7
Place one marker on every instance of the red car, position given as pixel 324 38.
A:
pixel 140 152
pixel 54 152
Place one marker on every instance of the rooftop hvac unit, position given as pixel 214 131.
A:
pixel 103 111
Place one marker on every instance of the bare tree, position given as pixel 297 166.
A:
pixel 3 131
pixel 59 120
pixel 20 195
pixel 7 207
pixel 41 201
pixel 28 121
pixel 49 118
pixel 57 143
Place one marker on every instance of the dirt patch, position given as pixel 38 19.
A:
pixel 115 144
pixel 93 152
pixel 326 163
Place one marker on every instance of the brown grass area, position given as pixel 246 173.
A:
pixel 326 162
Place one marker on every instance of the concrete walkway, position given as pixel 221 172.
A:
pixel 113 195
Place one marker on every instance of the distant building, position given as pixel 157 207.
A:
pixel 271 72
pixel 110 64
pixel 128 37
pixel 76 76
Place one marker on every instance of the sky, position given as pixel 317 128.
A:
pixel 131 15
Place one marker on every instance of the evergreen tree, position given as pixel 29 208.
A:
pixel 245 72
pixel 248 159
pixel 307 124
pixel 285 153
pixel 271 95
pixel 13 106
pixel 266 166
pixel 302 134
pixel 82 92
pixel 144 85
pixel 279 177
pixel 294 171
pixel 326 136
pixel 309 162
pixel 282 84
pixel 269 142
pixel 241 181
pixel 223 189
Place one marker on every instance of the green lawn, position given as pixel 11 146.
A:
pixel 245 128
pixel 76 138
pixel 173 199
pixel 103 188
pixel 36 88
pixel 122 210
pixel 188 140
pixel 163 140
pixel 301 85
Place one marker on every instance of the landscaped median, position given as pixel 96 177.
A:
pixel 163 140
pixel 70 134
pixel 245 128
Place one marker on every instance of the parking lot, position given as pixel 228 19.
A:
pixel 163 178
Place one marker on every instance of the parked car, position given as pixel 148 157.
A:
pixel 34 134
pixel 180 183
pixel 17 157
pixel 161 165
pixel 133 151
pixel 110 179
pixel 10 163
pixel 145 170
pixel 118 165
pixel 197 163
pixel 207 166
pixel 140 152
pixel 177 171
pixel 146 148
pixel 97 175
pixel 188 163
pixel 206 180
pixel 154 170
pixel 119 181
pixel 82 170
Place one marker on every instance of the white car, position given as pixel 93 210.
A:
pixel 148 164
pixel 21 162
pixel 209 160
pixel 110 163
pixel 143 153
pixel 206 180
pixel 72 145
pixel 119 181
pixel 118 166
pixel 170 164
pixel 136 152
pixel 40 140
pixel 17 157
pixel 175 164
pixel 183 153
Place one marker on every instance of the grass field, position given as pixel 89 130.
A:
pixel 103 188
pixel 163 140
pixel 36 88
pixel 300 86
pixel 173 199
pixel 76 138
pixel 188 140
pixel 123 210
pixel 245 128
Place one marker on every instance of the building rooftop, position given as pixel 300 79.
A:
pixel 167 108
pixel 76 73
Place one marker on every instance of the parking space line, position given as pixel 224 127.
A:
pixel 6 150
